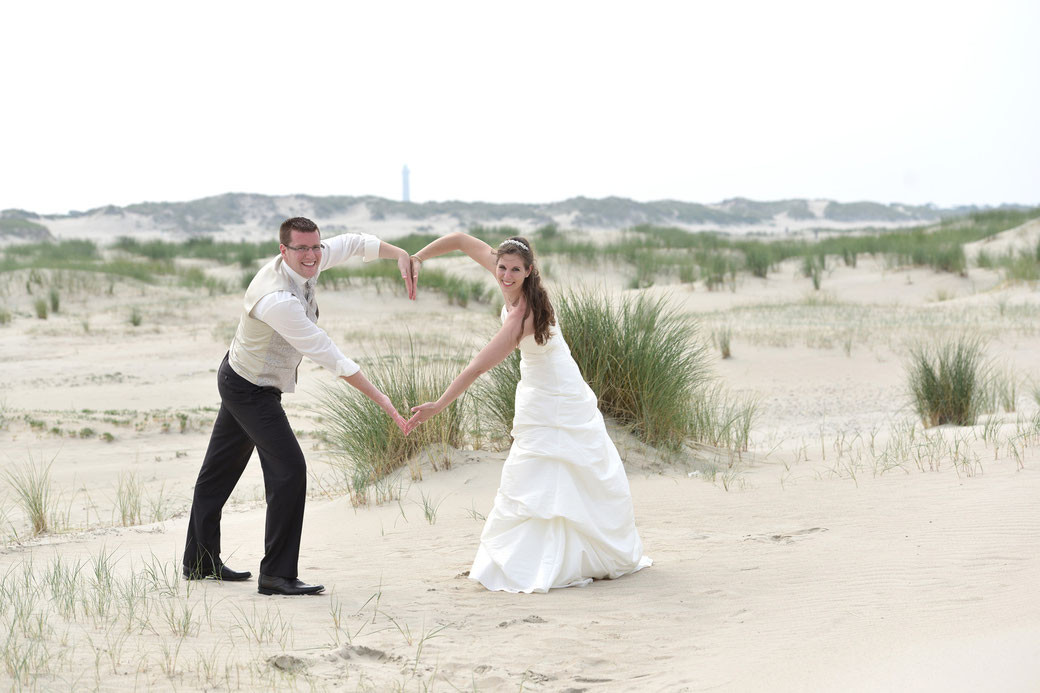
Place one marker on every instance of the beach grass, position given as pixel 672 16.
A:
pixel 947 381
pixel 32 488
pixel 647 370
pixel 457 290
pixel 722 338
pixel 495 394
pixel 364 442
pixel 129 499
pixel 639 357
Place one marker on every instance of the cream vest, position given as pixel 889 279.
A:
pixel 258 353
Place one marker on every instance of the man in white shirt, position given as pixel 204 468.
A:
pixel 276 329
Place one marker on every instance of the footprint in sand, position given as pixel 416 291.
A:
pixel 360 651
pixel 287 663
pixel 785 538
pixel 525 619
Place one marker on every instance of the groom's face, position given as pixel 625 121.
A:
pixel 301 255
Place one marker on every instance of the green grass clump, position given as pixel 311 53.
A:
pixel 41 308
pixel 135 317
pixel 31 484
pixel 55 300
pixel 1022 266
pixel 1000 391
pixel 458 291
pixel 639 358
pixel 201 247
pixel 715 267
pixel 646 369
pixel 496 393
pixel 948 381
pixel 367 444
pixel 5 316
pixel 195 278
pixel 722 338
pixel 128 498
pixel 758 259
pixel 812 268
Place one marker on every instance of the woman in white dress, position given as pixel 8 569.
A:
pixel 563 512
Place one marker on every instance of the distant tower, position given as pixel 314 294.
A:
pixel 405 192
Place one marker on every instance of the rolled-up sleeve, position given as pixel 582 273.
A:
pixel 339 249
pixel 371 248
pixel 286 316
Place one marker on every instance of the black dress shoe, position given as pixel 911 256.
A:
pixel 223 573
pixel 268 584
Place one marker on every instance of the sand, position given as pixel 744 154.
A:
pixel 811 562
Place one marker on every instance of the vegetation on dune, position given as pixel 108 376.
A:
pixel 651 252
pixel 495 394
pixel 639 359
pixel 948 381
pixel 18 227
pixel 213 214
pixel 367 446
pixel 647 369
pixel 204 247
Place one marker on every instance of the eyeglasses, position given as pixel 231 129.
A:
pixel 305 248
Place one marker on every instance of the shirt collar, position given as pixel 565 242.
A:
pixel 300 280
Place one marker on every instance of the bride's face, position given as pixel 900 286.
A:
pixel 511 272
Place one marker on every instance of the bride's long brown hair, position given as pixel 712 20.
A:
pixel 536 297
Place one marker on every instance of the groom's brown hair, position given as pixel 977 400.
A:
pixel 302 224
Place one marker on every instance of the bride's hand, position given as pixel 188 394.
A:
pixel 416 266
pixel 421 413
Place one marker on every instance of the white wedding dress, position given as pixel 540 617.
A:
pixel 563 512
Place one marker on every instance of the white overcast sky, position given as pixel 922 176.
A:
pixel 115 103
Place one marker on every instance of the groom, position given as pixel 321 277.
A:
pixel 276 329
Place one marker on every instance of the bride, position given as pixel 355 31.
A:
pixel 563 512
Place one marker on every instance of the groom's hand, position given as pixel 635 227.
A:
pixel 384 403
pixel 404 263
pixel 401 423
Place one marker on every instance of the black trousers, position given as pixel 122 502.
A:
pixel 249 416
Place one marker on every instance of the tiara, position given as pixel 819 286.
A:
pixel 514 242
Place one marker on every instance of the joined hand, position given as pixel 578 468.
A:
pixel 421 413
pixel 384 403
pixel 408 274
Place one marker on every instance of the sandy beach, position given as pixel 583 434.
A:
pixel 848 549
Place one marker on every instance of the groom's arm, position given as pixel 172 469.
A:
pixel 404 264
pixel 365 387
pixel 338 249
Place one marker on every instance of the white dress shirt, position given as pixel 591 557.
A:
pixel 288 317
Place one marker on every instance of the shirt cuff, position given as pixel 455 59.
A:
pixel 346 367
pixel 371 248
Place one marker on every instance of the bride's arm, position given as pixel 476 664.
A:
pixel 496 351
pixel 477 249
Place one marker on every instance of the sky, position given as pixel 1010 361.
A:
pixel 915 102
